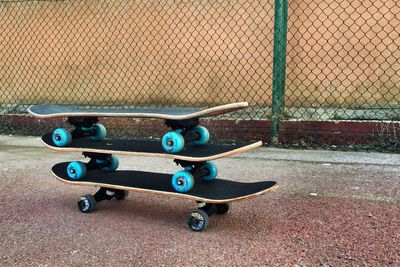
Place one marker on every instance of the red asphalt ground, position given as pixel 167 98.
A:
pixel 325 213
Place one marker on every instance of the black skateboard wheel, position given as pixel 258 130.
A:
pixel 87 203
pixel 198 220
pixel 222 208
pixel 121 194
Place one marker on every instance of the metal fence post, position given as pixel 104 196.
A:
pixel 279 66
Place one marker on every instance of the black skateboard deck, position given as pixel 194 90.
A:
pixel 213 197
pixel 184 123
pixel 216 191
pixel 132 147
pixel 51 111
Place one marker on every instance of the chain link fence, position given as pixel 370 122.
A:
pixel 136 54
pixel 343 63
pixel 342 60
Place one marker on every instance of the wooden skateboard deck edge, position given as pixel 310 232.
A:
pixel 172 194
pixel 214 111
pixel 158 155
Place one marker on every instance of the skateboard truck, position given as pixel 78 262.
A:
pixel 185 127
pixel 183 181
pixel 106 162
pixel 184 131
pixel 109 193
pixel 81 124
pixel 193 167
pixel 87 203
pixel 182 124
pixel 84 127
pixel 197 220
pixel 101 161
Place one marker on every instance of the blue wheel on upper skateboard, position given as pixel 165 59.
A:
pixel 183 181
pixel 61 137
pixel 100 132
pixel 113 164
pixel 212 170
pixel 203 134
pixel 76 170
pixel 173 142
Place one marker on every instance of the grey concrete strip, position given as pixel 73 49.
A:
pixel 16 140
pixel 326 156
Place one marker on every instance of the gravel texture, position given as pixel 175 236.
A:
pixel 331 209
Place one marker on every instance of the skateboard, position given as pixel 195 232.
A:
pixel 194 160
pixel 184 123
pixel 213 199
pixel 151 148
pixel 213 195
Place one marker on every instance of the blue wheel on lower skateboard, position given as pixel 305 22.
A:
pixel 100 132
pixel 212 170
pixel 173 142
pixel 76 170
pixel 183 181
pixel 112 165
pixel 203 134
pixel 61 137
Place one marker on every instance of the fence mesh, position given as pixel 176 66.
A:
pixel 342 60
pixel 136 54
pixel 343 63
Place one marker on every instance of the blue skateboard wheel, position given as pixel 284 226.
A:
pixel 113 164
pixel 100 132
pixel 203 134
pixel 76 170
pixel 61 137
pixel 183 181
pixel 212 170
pixel 173 142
